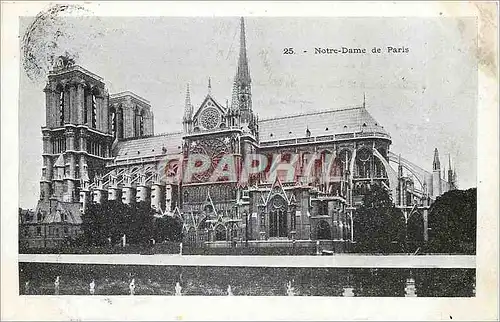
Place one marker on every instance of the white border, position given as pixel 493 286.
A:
pixel 483 307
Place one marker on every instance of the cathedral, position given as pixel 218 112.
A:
pixel 99 146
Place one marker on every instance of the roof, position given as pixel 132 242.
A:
pixel 149 146
pixel 65 213
pixel 329 122
pixel 131 94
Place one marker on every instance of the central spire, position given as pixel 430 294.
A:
pixel 243 74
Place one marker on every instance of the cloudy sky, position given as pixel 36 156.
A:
pixel 425 98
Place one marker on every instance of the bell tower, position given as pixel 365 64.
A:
pixel 76 136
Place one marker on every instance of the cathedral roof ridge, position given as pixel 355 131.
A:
pixel 75 67
pixel 129 93
pixel 168 133
pixel 151 136
pixel 317 112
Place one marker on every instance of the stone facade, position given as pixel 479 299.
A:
pixel 100 147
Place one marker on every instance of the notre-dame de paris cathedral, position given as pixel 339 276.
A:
pixel 99 146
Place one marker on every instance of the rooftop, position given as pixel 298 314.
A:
pixel 161 144
pixel 131 94
pixel 348 120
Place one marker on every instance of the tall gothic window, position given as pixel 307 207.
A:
pixel 61 108
pixel 141 124
pixel 113 123
pixel 278 218
pixel 94 111
pixel 85 106
pixel 119 122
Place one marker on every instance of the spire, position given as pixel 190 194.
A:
pixel 209 86
pixel 243 74
pixel 188 108
pixel 364 101
pixel 234 97
pixel 449 162
pixel 436 165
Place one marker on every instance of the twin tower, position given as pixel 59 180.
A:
pixel 83 122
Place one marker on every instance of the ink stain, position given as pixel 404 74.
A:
pixel 43 40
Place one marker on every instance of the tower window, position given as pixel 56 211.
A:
pixel 141 125
pixel 94 111
pixel 113 123
pixel 61 108
pixel 85 106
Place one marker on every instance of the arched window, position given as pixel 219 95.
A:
pixel 113 123
pixel 278 217
pixel 191 236
pixel 323 230
pixel 220 233
pixel 363 163
pixel 61 107
pixel 94 111
pixel 141 124
pixel 86 94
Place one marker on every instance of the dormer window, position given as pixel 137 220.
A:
pixel 364 124
pixel 326 129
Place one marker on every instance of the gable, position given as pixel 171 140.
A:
pixel 210 114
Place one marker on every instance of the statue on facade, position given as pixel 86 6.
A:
pixel 229 291
pixel 92 287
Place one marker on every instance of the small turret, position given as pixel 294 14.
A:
pixel 451 179
pixel 188 111
pixel 436 165
pixel 436 175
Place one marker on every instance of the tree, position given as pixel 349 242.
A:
pixel 113 219
pixel 168 229
pixel 93 225
pixel 140 222
pixel 378 225
pixel 452 222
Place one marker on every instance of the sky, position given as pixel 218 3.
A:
pixel 426 98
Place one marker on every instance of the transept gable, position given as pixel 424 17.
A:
pixel 210 114
pixel 209 207
pixel 277 189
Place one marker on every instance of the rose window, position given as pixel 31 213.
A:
pixel 210 118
